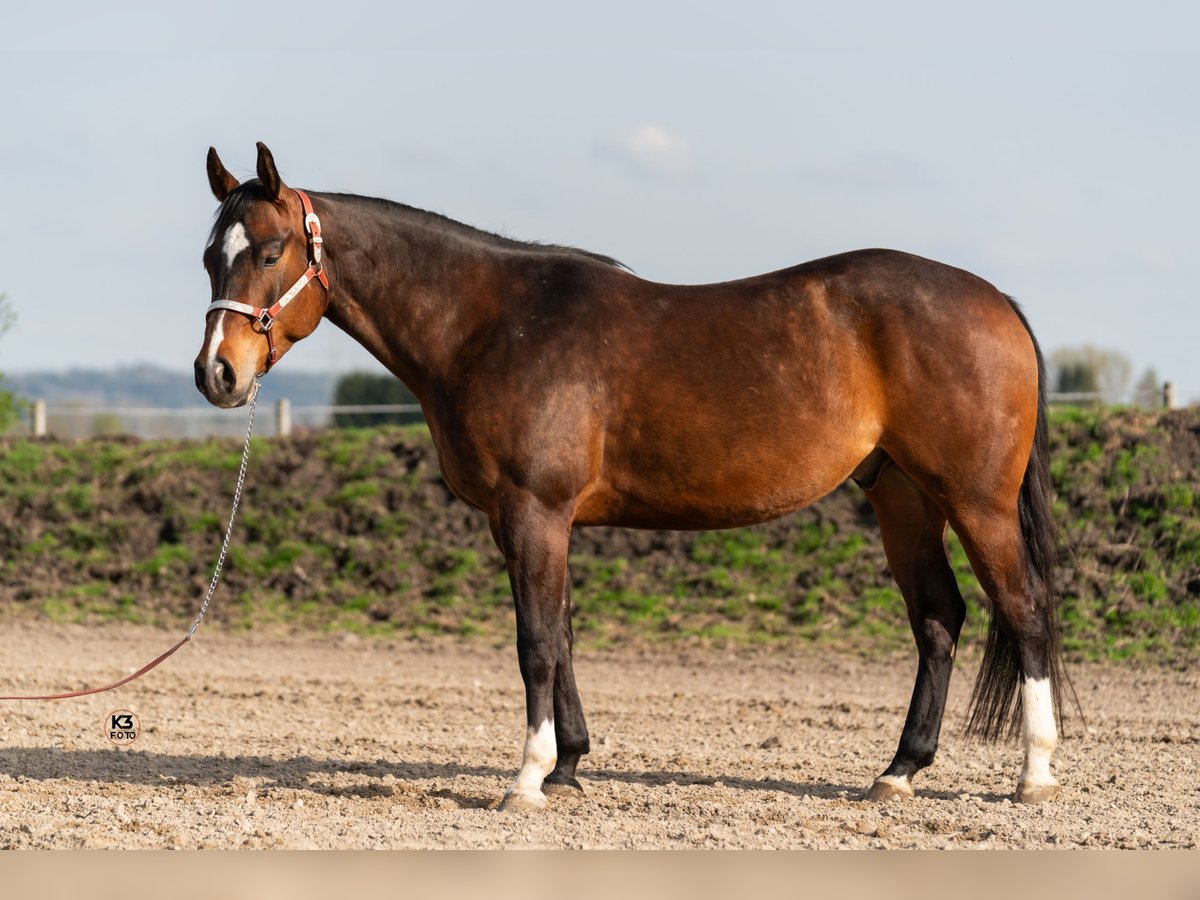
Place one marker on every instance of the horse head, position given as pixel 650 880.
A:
pixel 265 236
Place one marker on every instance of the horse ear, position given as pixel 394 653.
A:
pixel 219 178
pixel 267 173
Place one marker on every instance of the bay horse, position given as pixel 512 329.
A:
pixel 561 390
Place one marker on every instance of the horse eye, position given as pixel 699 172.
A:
pixel 269 261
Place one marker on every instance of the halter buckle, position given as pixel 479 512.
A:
pixel 312 225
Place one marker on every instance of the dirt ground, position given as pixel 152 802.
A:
pixel 341 742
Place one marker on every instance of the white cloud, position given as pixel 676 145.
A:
pixel 652 150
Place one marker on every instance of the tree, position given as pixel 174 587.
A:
pixel 10 406
pixel 365 389
pixel 1149 390
pixel 1089 369
pixel 1075 377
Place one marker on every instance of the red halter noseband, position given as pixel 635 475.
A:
pixel 266 316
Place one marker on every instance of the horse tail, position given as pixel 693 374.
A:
pixel 995 708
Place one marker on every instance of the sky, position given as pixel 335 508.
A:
pixel 1049 148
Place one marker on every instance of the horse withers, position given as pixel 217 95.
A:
pixel 561 391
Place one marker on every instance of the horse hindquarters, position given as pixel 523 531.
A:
pixel 1021 682
pixel 976 445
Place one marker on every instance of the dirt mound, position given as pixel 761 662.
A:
pixel 355 530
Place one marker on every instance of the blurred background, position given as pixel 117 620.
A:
pixel 1049 149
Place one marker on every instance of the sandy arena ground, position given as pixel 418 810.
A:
pixel 342 742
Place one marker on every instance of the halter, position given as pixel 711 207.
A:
pixel 266 316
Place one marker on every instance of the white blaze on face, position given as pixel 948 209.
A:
pixel 1039 732
pixel 236 240
pixel 214 343
pixel 541 753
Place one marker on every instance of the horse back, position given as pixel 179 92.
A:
pixel 652 405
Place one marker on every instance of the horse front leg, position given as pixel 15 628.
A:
pixel 534 540
pixel 570 727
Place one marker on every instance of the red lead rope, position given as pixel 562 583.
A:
pixel 312 228
pixel 108 687
pixel 212 584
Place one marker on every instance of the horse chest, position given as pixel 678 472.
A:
pixel 468 471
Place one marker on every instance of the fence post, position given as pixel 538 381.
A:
pixel 1170 395
pixel 39 418
pixel 283 417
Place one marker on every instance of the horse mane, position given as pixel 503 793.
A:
pixel 438 222
pixel 237 204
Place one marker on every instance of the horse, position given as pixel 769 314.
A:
pixel 562 391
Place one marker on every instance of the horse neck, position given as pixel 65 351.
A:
pixel 410 293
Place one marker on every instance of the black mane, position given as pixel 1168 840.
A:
pixel 237 204
pixel 439 222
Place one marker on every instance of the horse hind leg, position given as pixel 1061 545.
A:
pixel 1020 681
pixel 913 529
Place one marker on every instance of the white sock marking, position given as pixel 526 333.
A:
pixel 236 241
pixel 896 781
pixel 1039 732
pixel 541 753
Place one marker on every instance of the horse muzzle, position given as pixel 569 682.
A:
pixel 218 382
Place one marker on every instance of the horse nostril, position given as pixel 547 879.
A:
pixel 198 374
pixel 223 372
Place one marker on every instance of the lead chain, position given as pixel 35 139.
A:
pixel 237 497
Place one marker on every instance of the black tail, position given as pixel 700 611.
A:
pixel 995 707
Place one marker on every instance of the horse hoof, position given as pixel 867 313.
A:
pixel 887 787
pixel 1037 793
pixel 525 800
pixel 567 788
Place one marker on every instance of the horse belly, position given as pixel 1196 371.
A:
pixel 721 478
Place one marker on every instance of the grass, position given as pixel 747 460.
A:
pixel 349 530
